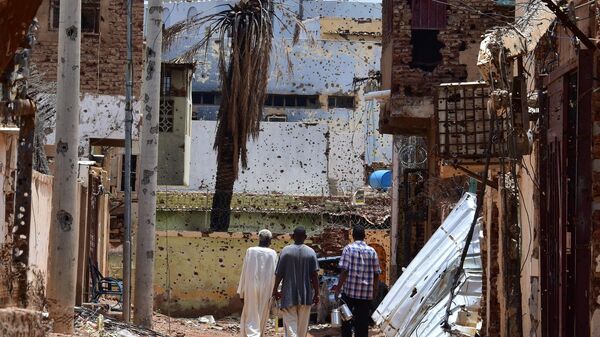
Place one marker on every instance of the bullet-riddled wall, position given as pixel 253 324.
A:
pixel 202 269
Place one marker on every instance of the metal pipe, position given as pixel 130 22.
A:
pixel 377 95
pixel 127 180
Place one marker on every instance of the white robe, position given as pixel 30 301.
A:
pixel 256 288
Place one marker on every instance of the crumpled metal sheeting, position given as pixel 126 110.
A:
pixel 416 304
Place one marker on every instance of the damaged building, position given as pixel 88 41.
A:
pixel 425 43
pixel 508 103
pixel 309 166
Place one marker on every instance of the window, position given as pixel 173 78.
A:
pixel 276 118
pixel 133 172
pixel 165 123
pixel 289 101
pixel 426 48
pixel 165 84
pixel 206 98
pixel 90 15
pixel 346 102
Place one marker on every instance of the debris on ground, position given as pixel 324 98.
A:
pixel 96 323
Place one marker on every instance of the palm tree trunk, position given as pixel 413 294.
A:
pixel 146 231
pixel 64 224
pixel 221 204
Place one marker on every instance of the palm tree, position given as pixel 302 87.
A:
pixel 244 71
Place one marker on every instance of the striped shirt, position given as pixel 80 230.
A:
pixel 362 263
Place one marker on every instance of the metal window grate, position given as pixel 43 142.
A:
pixel 166 116
pixel 464 123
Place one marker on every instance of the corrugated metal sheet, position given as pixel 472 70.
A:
pixel 416 304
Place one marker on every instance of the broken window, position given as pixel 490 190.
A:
pixel 90 15
pixel 346 102
pixel 167 112
pixel 426 48
pixel 133 172
pixel 206 98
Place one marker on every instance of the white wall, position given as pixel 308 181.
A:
pixel 287 158
pixel 102 117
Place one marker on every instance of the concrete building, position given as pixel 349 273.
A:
pixel 319 135
pixel 318 142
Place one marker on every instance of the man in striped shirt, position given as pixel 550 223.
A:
pixel 358 282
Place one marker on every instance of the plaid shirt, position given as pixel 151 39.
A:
pixel 361 262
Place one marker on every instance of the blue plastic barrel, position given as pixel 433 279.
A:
pixel 381 179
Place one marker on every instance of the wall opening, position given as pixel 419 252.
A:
pixel 426 49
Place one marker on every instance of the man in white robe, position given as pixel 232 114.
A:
pixel 256 283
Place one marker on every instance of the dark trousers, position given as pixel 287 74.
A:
pixel 361 313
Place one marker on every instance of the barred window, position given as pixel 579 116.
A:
pixel 166 116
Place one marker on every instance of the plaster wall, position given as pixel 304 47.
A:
pixel 174 146
pixel 102 117
pixel 41 212
pixel 202 269
pixel 287 158
pixel 321 64
pixel 530 255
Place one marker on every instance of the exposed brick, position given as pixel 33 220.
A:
pixel 463 27
pixel 103 55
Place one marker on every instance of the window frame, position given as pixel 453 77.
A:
pixel 337 99
pixel 89 5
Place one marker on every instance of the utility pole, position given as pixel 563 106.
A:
pixel 127 182
pixel 145 241
pixel 64 223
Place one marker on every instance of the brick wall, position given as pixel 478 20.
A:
pixel 464 28
pixel 103 55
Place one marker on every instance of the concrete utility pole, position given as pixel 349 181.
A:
pixel 144 257
pixel 127 182
pixel 64 228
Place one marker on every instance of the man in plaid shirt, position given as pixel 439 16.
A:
pixel 358 282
